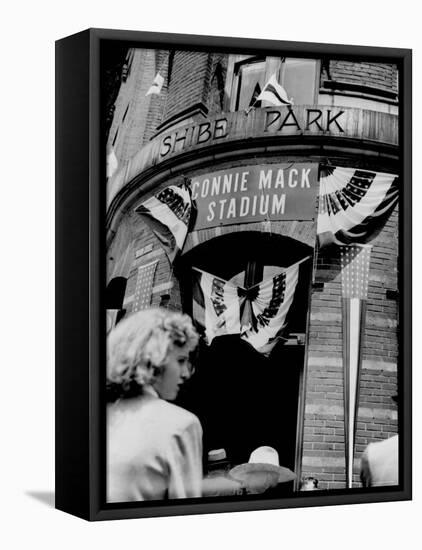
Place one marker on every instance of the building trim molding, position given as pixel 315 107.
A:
pixel 315 130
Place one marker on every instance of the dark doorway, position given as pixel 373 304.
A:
pixel 243 398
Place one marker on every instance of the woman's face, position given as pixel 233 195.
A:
pixel 175 371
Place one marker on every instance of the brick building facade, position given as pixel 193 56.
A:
pixel 197 126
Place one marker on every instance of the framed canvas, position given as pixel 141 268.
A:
pixel 233 274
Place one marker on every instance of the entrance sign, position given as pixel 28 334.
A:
pixel 232 129
pixel 256 193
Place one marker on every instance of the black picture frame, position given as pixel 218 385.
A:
pixel 80 269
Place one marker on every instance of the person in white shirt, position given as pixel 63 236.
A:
pixel 380 463
pixel 154 448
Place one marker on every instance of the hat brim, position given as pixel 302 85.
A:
pixel 245 471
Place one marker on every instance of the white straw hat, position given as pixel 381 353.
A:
pixel 262 471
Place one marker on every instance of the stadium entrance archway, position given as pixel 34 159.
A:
pixel 244 398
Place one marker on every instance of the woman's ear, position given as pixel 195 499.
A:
pixel 156 371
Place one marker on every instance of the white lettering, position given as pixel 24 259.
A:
pixel 265 179
pixel 227 183
pixel 231 212
pixel 222 203
pixel 236 182
pixel 293 182
pixel 254 205
pixel 279 204
pixel 215 188
pixel 205 188
pixel 263 209
pixel 244 206
pixel 305 178
pixel 279 182
pixel 211 214
pixel 244 181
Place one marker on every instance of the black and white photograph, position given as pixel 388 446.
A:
pixel 253 271
pixel 210 275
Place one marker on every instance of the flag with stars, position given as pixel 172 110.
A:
pixel 355 260
pixel 168 214
pixel 258 314
pixel 353 203
pixel 143 288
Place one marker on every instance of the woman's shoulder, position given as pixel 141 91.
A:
pixel 173 423
pixel 152 411
pixel 175 416
pixel 171 420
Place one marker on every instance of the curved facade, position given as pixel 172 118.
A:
pixel 255 171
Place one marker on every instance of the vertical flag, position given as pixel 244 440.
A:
pixel 156 86
pixel 143 288
pixel 352 206
pixel 168 215
pixel 355 261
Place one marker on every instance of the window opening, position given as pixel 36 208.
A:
pixel 299 77
pixel 250 77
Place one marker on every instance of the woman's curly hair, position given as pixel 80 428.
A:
pixel 138 346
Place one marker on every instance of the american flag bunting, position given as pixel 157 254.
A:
pixel 168 214
pixel 352 203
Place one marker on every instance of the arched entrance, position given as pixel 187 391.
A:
pixel 244 398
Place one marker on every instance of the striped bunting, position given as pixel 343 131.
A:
pixel 258 314
pixel 270 309
pixel 352 203
pixel 216 305
pixel 168 215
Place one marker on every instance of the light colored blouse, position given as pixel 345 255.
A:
pixel 380 463
pixel 154 450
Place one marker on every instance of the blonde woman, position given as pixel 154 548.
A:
pixel 154 448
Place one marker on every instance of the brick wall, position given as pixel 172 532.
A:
pixel 157 102
pixel 136 115
pixel 323 442
pixel 217 82
pixel 191 73
pixel 145 240
pixel 377 75
pixel 120 253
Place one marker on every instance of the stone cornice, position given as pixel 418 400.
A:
pixel 298 131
